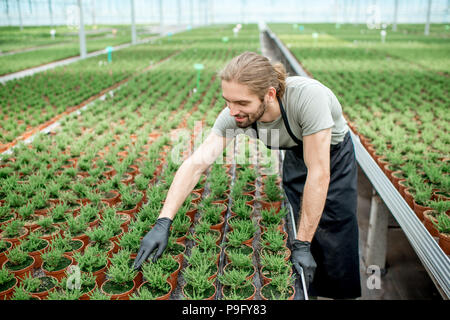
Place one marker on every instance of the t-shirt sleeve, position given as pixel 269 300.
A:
pixel 225 125
pixel 315 113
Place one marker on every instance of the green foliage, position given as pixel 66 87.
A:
pixel 5 276
pixel 91 260
pixel 53 258
pixel 443 223
pixel 156 277
pixel 16 256
pixel 13 228
pixel 272 217
pixel 271 189
pixel 121 270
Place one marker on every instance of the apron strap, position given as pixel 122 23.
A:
pixel 286 124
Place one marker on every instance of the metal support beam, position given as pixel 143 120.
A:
pixel 161 17
pixel 394 24
pixel 81 34
pixel 376 245
pixel 19 8
pixel 427 24
pixel 133 24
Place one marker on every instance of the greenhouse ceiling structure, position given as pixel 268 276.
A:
pixel 225 150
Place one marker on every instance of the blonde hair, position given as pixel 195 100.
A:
pixel 256 71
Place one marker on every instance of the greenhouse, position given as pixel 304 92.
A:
pixel 224 150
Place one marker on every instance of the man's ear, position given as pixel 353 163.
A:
pixel 271 94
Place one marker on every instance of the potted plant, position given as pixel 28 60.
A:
pixel 90 214
pixel 198 286
pixel 14 231
pixel 6 215
pixel 242 262
pixel 100 238
pixel 276 246
pixel 242 230
pixel 212 215
pixel 272 264
pixel 5 246
pixel 94 261
pixel 241 209
pixel 443 226
pixel 7 283
pixel 41 203
pixel 156 281
pixel 170 266
pixel 236 285
pixel 131 241
pixel 180 227
pixel 39 286
pixel 208 260
pixel 68 245
pixel 19 262
pixel 204 228
pixel 47 229
pixel 273 235
pixel 34 245
pixel 421 199
pixel 27 215
pixel 280 288
pixel 175 249
pixel 121 283
pixel 272 194
pixel 77 228
pixel 131 201
pixel 97 294
pixel 55 262
pixel 59 214
pixel 87 285
pixel 437 207
pixel 270 217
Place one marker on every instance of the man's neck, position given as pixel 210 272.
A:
pixel 272 112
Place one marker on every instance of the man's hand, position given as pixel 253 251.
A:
pixel 301 256
pixel 156 238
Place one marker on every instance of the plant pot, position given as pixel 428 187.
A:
pixel 441 195
pixel 250 296
pixel 125 295
pixel 402 185
pixel 23 270
pixel 173 277
pixel 86 296
pixel 53 235
pixel 82 237
pixel 4 253
pixel 265 205
pixel 37 255
pixel 267 279
pixel 244 249
pixel 263 227
pixel 45 211
pixel 22 234
pixel 196 197
pixel 115 240
pixel 111 197
pixel 444 242
pixel 79 247
pixel 5 222
pixel 427 218
pixel 165 296
pixel 265 289
pixel 409 198
pixel 210 294
pixel 7 293
pixel 229 266
pixel 219 236
pixel 178 254
pixel 419 210
pixel 48 287
pixel 126 221
pixel 59 274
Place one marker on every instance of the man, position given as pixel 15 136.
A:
pixel 304 117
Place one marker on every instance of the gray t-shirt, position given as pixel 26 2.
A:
pixel 310 107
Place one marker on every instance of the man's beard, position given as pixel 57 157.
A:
pixel 251 118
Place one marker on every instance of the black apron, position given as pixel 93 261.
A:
pixel 335 243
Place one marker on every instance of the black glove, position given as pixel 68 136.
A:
pixel 156 238
pixel 301 256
